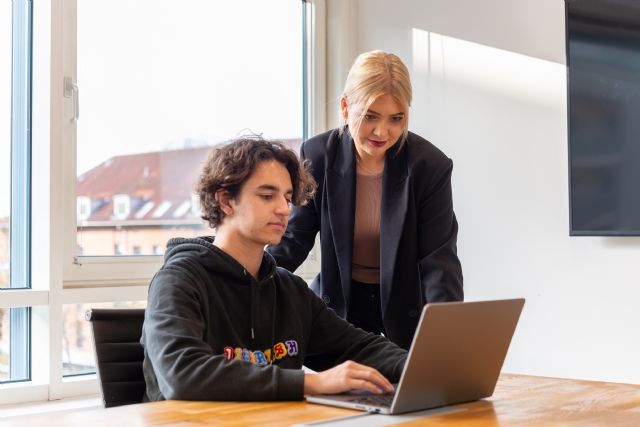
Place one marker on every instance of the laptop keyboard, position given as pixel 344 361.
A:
pixel 376 400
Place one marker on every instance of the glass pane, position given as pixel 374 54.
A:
pixel 4 344
pixel 5 139
pixel 77 345
pixel 15 115
pixel 14 344
pixel 153 103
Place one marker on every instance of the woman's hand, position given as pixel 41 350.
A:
pixel 345 377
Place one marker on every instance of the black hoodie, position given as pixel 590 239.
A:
pixel 212 332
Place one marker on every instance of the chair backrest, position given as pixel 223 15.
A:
pixel 119 354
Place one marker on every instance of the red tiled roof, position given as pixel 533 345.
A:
pixel 160 179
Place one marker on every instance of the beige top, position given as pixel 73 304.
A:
pixel 365 262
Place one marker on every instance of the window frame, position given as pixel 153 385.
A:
pixel 58 276
pixel 95 271
pixel 20 206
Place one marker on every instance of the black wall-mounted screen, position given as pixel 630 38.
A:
pixel 603 63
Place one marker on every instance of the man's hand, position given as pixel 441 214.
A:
pixel 345 377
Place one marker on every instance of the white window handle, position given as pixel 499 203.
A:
pixel 71 91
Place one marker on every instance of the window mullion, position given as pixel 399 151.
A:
pixel 63 154
pixel 315 69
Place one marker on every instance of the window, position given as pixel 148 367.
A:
pixel 4 345
pixel 111 176
pixel 191 81
pixel 121 206
pixel 77 347
pixel 118 249
pixel 14 344
pixel 5 130
pixel 15 190
pixel 195 205
pixel 84 208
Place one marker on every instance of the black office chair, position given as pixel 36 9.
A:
pixel 119 354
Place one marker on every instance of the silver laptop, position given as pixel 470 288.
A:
pixel 456 356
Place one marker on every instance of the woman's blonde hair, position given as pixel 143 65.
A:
pixel 372 75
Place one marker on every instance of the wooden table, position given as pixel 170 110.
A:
pixel 518 400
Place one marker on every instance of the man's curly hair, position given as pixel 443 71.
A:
pixel 229 166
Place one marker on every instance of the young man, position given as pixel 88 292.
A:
pixel 224 323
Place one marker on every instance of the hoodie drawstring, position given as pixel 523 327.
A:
pixel 274 308
pixel 253 308
pixel 273 316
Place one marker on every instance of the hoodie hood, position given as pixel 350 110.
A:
pixel 202 251
pixel 212 258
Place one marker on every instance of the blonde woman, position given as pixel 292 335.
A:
pixel 383 208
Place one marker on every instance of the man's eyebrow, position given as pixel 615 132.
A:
pixel 378 114
pixel 271 187
pixel 268 187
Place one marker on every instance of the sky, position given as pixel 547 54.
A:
pixel 153 74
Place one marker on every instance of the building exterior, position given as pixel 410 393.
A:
pixel 133 204
pixel 4 312
pixel 4 252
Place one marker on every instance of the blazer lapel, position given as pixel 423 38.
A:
pixel 395 198
pixel 341 208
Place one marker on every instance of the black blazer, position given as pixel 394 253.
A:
pixel 418 229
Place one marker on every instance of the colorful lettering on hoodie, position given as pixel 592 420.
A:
pixel 261 358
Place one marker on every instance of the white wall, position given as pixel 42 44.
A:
pixel 501 116
pixel 530 27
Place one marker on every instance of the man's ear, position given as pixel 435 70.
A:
pixel 344 108
pixel 224 200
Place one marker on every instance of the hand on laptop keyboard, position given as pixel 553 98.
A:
pixel 345 377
